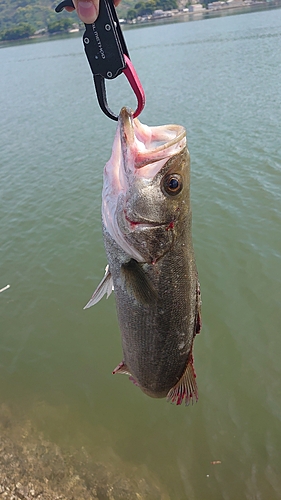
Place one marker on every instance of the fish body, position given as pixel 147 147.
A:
pixel 146 218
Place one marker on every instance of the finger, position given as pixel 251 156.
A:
pixel 87 10
pixel 116 2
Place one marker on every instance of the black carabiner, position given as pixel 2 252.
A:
pixel 108 55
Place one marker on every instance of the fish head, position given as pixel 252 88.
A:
pixel 146 187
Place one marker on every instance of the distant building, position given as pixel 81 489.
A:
pixel 197 7
pixel 235 3
pixel 215 5
pixel 162 13
pixel 223 5
pixel 43 31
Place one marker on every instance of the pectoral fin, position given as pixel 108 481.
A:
pixel 105 287
pixel 186 388
pixel 138 282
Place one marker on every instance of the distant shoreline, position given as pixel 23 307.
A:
pixel 206 13
pixel 176 17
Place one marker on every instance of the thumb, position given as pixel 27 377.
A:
pixel 87 10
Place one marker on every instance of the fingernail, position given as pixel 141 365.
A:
pixel 87 11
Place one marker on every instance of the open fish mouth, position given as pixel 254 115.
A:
pixel 139 152
pixel 142 145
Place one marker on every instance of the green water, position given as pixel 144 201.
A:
pixel 220 78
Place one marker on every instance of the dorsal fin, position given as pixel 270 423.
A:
pixel 198 320
pixel 186 388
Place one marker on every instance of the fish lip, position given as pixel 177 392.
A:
pixel 146 224
pixel 133 133
pixel 142 224
pixel 160 152
pixel 126 124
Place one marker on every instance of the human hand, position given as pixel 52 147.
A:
pixel 87 10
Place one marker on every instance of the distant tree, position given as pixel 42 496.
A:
pixel 62 24
pixel 139 5
pixel 131 14
pixel 148 7
pixel 22 30
pixel 167 4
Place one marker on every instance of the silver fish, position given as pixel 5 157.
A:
pixel 146 219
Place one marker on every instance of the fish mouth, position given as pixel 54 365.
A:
pixel 148 144
pixel 141 224
pixel 138 154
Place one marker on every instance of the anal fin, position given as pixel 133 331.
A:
pixel 186 388
pixel 105 287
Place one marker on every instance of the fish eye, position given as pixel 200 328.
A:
pixel 172 184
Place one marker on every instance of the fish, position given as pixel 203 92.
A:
pixel 146 219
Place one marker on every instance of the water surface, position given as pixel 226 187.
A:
pixel 220 78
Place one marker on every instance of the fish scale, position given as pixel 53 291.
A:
pixel 152 334
pixel 151 264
